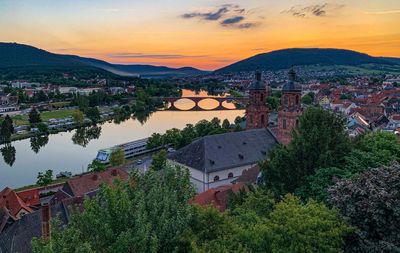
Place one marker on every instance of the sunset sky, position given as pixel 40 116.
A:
pixel 199 33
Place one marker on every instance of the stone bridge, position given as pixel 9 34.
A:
pixel 197 100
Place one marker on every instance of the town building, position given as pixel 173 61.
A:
pixel 219 159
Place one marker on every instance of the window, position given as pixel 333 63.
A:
pixel 297 99
pixel 284 124
pixel 262 119
pixel 262 98
pixel 297 122
pixel 230 175
pixel 285 100
pixel 216 178
pixel 251 118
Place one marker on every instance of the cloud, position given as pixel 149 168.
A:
pixel 234 20
pixel 231 16
pixel 154 56
pixel 383 12
pixel 317 10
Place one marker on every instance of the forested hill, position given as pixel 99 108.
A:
pixel 24 57
pixel 283 59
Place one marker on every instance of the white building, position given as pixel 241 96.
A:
pixel 219 159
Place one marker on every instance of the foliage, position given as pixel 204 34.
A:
pixel 44 179
pixel 309 98
pixel 93 114
pixel 262 225
pixel 159 161
pixel 320 141
pixel 82 102
pixel 43 128
pixel 34 116
pixel 78 117
pixel 117 157
pixel 273 103
pixel 237 128
pixel 147 213
pixel 96 166
pixel 371 200
pixel 226 124
pixel 238 120
pixel 7 128
pixel 84 135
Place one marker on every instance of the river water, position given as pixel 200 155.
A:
pixel 61 153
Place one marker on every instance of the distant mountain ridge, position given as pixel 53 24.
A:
pixel 14 55
pixel 285 58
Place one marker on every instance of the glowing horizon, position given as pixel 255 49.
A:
pixel 202 34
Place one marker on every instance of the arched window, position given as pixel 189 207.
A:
pixel 284 124
pixel 285 100
pixel 216 178
pixel 262 98
pixel 297 99
pixel 262 119
pixel 251 118
pixel 230 175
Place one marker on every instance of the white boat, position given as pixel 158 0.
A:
pixel 131 149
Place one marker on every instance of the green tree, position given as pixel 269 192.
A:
pixel 34 116
pixel 273 103
pixel 159 161
pixel 237 128
pixel 320 141
pixel 82 102
pixel 44 179
pixel 7 128
pixel 147 213
pixel 96 166
pixel 43 128
pixel 93 114
pixel 226 124
pixel 216 122
pixel 78 117
pixel 238 120
pixel 8 153
pixel 308 99
pixel 37 142
pixel 117 157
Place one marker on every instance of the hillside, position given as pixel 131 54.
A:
pixel 283 59
pixel 22 58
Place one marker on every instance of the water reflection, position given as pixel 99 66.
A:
pixel 84 135
pixel 142 116
pixel 8 153
pixel 38 142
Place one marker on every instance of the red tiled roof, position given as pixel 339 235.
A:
pixel 30 197
pixel 10 200
pixel 218 196
pixel 91 182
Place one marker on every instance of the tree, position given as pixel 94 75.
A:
pixel 96 166
pixel 43 128
pixel 78 117
pixel 117 157
pixel 273 103
pixel 238 120
pixel 82 102
pixel 237 128
pixel 216 122
pixel 38 142
pixel 147 213
pixel 159 162
pixel 7 128
pixel 34 116
pixel 308 99
pixel 320 141
pixel 371 201
pixel 44 179
pixel 226 124
pixel 93 114
pixel 8 153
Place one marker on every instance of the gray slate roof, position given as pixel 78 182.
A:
pixel 224 151
pixel 17 237
pixel 291 86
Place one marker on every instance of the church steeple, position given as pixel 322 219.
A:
pixel 257 108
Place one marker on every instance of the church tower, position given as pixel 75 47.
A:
pixel 290 109
pixel 257 108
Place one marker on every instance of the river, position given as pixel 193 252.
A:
pixel 61 153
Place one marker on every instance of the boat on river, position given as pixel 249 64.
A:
pixel 131 149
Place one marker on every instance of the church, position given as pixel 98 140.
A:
pixel 219 159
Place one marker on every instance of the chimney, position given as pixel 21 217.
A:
pixel 45 221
